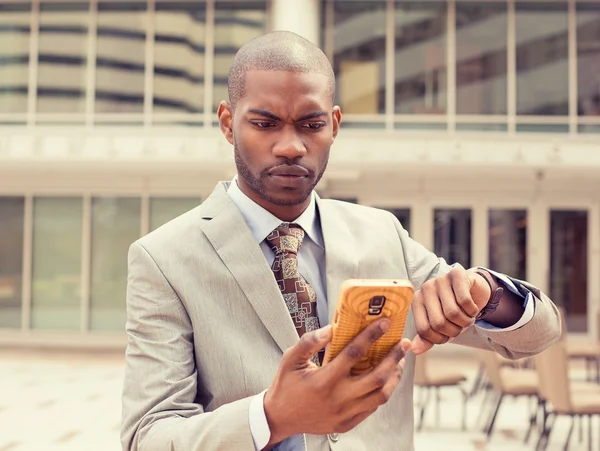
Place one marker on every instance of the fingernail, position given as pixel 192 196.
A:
pixel 324 332
pixel 385 325
pixel 406 347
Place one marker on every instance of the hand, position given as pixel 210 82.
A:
pixel 446 306
pixel 305 398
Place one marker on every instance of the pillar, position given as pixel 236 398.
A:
pixel 302 17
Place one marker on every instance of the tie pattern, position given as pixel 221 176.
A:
pixel 300 298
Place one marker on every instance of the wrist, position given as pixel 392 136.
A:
pixel 274 420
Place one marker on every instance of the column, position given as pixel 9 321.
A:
pixel 299 16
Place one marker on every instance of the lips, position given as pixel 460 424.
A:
pixel 289 171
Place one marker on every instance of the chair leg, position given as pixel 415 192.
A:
pixel 437 406
pixel 589 417
pixel 532 421
pixel 580 421
pixel 493 420
pixel 570 433
pixel 545 438
pixel 483 404
pixel 465 395
pixel 479 381
pixel 423 406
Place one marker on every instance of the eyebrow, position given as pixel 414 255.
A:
pixel 271 116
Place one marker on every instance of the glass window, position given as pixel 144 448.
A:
pixel 179 50
pixel 508 242
pixel 420 62
pixel 56 263
pixel 359 56
pixel 236 23
pixel 452 236
pixel 115 226
pixel 481 58
pixel 12 210
pixel 568 265
pixel 121 56
pixel 15 21
pixel 62 57
pixel 588 58
pixel 542 58
pixel 163 209
pixel 403 216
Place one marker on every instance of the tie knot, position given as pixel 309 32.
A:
pixel 286 238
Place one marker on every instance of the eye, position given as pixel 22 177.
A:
pixel 263 124
pixel 314 125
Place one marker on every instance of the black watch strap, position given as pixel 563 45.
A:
pixel 495 297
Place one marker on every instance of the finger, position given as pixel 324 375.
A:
pixel 435 320
pixel 298 356
pixel 357 348
pixel 381 396
pixel 421 317
pixel 420 345
pixel 452 310
pixel 376 379
pixel 461 286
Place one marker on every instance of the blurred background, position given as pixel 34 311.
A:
pixel 476 123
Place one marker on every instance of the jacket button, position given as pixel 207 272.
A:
pixel 334 437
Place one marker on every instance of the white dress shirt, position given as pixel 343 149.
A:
pixel 311 264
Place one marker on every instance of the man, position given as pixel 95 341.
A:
pixel 229 304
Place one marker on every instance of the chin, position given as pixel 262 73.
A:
pixel 289 200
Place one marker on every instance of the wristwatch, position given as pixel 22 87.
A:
pixel 495 295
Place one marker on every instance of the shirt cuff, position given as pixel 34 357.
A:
pixel 528 304
pixel 259 427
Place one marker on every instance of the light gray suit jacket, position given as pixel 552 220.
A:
pixel 207 326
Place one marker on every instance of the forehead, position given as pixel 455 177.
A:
pixel 281 89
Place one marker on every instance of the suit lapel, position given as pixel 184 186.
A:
pixel 233 241
pixel 341 256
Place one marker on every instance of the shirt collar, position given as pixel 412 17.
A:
pixel 262 223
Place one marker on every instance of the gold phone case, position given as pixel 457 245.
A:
pixel 361 302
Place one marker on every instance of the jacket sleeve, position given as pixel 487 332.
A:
pixel 533 337
pixel 161 378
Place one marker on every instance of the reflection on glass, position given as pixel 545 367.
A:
pixel 12 211
pixel 420 72
pixel 179 50
pixel 542 58
pixel 481 55
pixel 121 56
pixel 508 242
pixel 452 236
pixel 588 58
pixel 115 226
pixel 56 263
pixel 163 209
pixel 14 56
pixel 568 265
pixel 63 57
pixel 235 25
pixel 359 55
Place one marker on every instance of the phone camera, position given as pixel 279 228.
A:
pixel 376 304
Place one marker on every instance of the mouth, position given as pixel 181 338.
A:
pixel 290 172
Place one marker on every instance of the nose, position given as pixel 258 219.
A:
pixel 289 144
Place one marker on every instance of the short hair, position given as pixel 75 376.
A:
pixel 277 51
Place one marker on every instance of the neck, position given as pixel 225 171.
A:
pixel 288 213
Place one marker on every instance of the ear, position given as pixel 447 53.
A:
pixel 337 120
pixel 225 115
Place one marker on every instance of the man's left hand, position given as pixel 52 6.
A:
pixel 446 306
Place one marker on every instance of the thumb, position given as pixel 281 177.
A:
pixel 420 345
pixel 309 343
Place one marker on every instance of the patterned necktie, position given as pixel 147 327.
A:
pixel 299 296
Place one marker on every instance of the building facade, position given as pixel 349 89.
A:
pixel 476 122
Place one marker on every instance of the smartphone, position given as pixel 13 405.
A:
pixel 361 302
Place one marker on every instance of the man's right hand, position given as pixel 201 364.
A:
pixel 305 398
